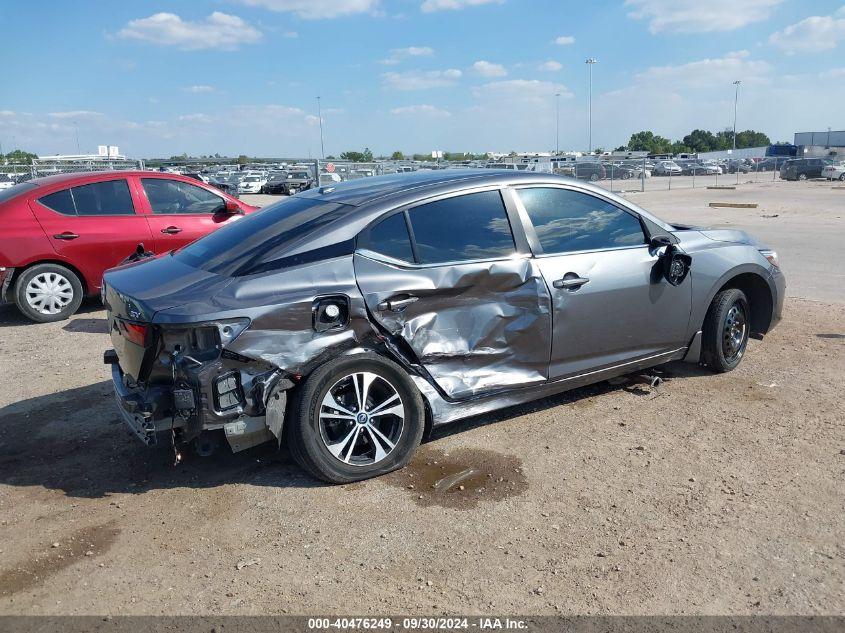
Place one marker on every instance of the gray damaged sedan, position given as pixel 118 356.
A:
pixel 348 321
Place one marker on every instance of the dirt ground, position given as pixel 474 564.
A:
pixel 710 494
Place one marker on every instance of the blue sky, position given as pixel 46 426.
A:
pixel 241 76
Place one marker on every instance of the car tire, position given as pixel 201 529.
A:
pixel 594 177
pixel 62 296
pixel 358 450
pixel 802 176
pixel 842 176
pixel 725 332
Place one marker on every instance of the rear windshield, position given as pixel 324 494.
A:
pixel 11 192
pixel 252 243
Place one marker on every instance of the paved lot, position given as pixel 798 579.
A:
pixel 709 495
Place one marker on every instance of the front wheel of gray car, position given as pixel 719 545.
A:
pixel 726 329
pixel 356 417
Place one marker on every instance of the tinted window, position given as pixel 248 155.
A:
pixel 254 242
pixel 389 237
pixel 567 221
pixel 60 202
pixel 175 196
pixel 474 226
pixel 110 197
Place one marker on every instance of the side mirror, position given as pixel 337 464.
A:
pixel 660 240
pixel 231 208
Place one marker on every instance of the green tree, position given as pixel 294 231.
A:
pixel 647 141
pixel 243 159
pixel 20 157
pixel 750 138
pixel 397 156
pixel 358 157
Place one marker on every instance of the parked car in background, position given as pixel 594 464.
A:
pixel 698 169
pixel 347 321
pixel 804 168
pixel 298 181
pixel 251 184
pixel 667 168
pixel 6 182
pixel 619 171
pixel 585 170
pixel 59 234
pixel 769 164
pixel 735 165
pixel 327 178
pixel 276 183
pixel 834 171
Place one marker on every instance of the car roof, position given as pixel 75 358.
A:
pixel 84 176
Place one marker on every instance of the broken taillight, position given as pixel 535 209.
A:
pixel 135 332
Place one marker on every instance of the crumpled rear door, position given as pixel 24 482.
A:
pixel 476 327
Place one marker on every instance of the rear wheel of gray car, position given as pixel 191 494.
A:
pixel 726 329
pixel 802 176
pixel 355 418
pixel 48 292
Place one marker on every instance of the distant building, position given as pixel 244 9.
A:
pixel 821 144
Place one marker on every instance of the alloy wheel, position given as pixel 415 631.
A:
pixel 733 333
pixel 361 419
pixel 49 293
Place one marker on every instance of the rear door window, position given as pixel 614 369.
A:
pixel 169 197
pixel 60 202
pixel 110 197
pixel 389 237
pixel 464 228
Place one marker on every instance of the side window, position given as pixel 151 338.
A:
pixel 60 202
pixel 567 221
pixel 474 226
pixel 110 197
pixel 389 237
pixel 174 197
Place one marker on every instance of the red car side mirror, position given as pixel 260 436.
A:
pixel 232 207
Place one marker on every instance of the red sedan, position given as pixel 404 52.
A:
pixel 60 233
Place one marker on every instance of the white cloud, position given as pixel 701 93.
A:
pixel 564 40
pixel 833 73
pixel 695 16
pixel 710 72
pixel 199 89
pixel 420 110
pixel 812 35
pixel 421 80
pixel 520 92
pixel 310 119
pixel 429 6
pixel 291 35
pixel 399 54
pixel 550 66
pixel 489 69
pixel 75 114
pixel 219 30
pixel 7 113
pixel 251 113
pixel 317 9
pixel 197 117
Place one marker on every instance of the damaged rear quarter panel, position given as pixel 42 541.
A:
pixel 281 331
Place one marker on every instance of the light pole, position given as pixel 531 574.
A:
pixel 557 123
pixel 736 99
pixel 590 61
pixel 76 129
pixel 320 117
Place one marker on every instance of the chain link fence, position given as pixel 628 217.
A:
pixel 45 167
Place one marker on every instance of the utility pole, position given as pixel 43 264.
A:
pixel 736 99
pixel 76 129
pixel 590 62
pixel 320 117
pixel 557 119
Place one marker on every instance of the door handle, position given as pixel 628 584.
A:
pixel 394 305
pixel 171 230
pixel 67 235
pixel 570 283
